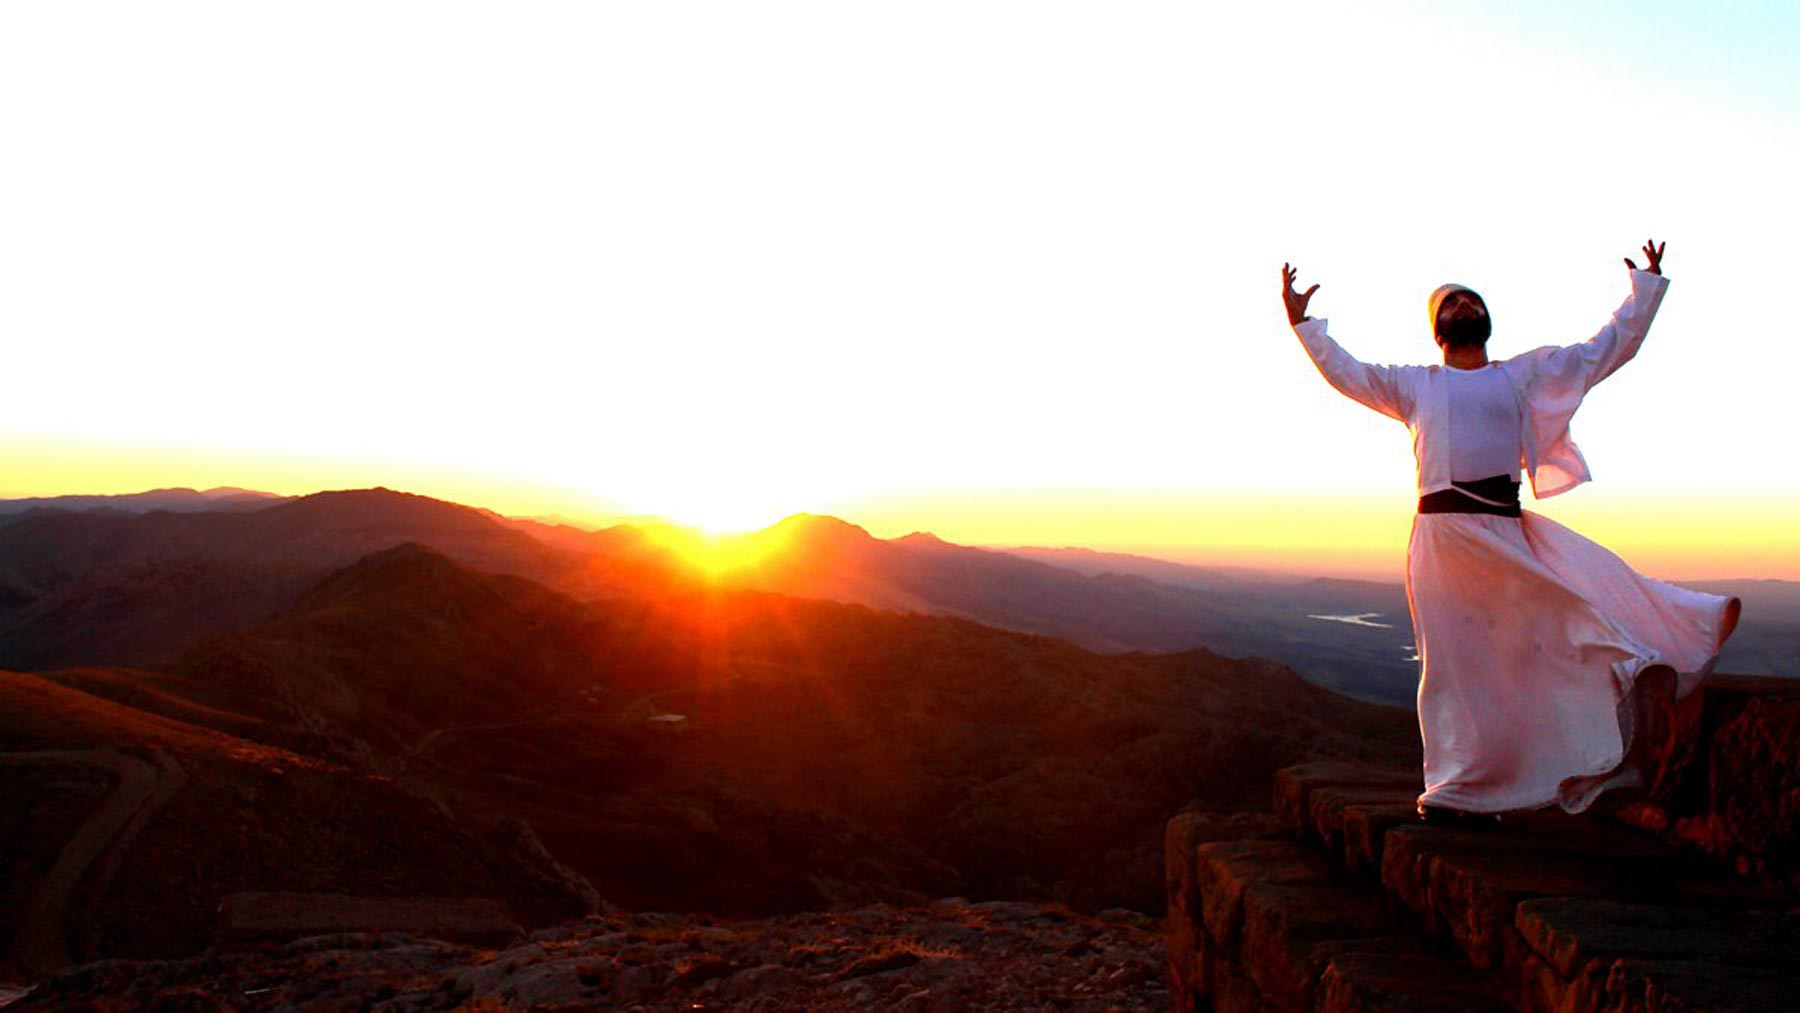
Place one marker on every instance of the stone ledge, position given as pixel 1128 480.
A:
pixel 1544 910
pixel 1571 933
pixel 1722 775
pixel 1267 919
pixel 1469 884
pixel 1352 820
pixel 1224 870
pixel 1694 985
pixel 1411 982
pixel 1294 785
pixel 1185 936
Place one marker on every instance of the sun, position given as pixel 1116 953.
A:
pixel 715 502
pixel 718 555
pixel 714 521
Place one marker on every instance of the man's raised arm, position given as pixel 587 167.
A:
pixel 1580 366
pixel 1376 386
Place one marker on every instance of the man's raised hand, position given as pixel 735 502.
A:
pixel 1653 253
pixel 1295 301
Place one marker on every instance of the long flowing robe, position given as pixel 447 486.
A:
pixel 1532 638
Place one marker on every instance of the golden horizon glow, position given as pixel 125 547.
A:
pixel 1029 297
pixel 716 519
pixel 1361 534
pixel 717 555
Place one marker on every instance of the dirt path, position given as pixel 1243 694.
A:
pixel 43 933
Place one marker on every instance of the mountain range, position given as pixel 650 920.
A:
pixel 408 725
pixel 369 693
pixel 132 582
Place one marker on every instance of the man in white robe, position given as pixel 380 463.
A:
pixel 1536 643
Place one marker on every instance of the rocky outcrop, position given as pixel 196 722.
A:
pixel 1354 905
pixel 950 954
pixel 1723 780
pixel 1271 922
pixel 257 917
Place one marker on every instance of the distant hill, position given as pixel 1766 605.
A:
pixel 405 642
pixel 1093 562
pixel 105 587
pixel 373 693
pixel 175 500
pixel 747 752
pixel 1767 641
pixel 824 557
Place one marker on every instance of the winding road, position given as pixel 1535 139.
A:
pixel 142 788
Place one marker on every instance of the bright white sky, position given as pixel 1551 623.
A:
pixel 727 261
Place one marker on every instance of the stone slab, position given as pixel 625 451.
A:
pixel 1571 933
pixel 1351 819
pixel 1417 983
pixel 1292 932
pixel 1294 785
pixel 1669 985
pixel 1365 831
pixel 1223 870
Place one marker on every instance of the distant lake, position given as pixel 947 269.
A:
pixel 1367 619
pixel 1360 619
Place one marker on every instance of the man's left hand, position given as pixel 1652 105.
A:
pixel 1653 253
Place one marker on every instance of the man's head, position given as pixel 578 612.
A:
pixel 1459 319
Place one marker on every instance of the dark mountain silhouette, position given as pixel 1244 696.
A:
pixel 749 752
pixel 109 588
pixel 325 530
pixel 510 700
pixel 739 751
pixel 177 500
pixel 1352 636
pixel 824 557
pixel 102 587
pixel 1767 639
pixel 138 612
pixel 82 588
pixel 1093 562
pixel 405 642
pixel 381 695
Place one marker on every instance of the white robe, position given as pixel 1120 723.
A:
pixel 1532 637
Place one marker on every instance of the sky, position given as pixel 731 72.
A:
pixel 1003 271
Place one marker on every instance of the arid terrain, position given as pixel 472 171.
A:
pixel 365 713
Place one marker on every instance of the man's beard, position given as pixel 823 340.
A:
pixel 1465 332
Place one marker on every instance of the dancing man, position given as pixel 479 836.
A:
pixel 1537 644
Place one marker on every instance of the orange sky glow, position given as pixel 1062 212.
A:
pixel 1676 537
pixel 1000 270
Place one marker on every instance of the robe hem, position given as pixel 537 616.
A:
pixel 1614 776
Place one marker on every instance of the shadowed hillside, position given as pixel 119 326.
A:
pixel 126 829
pixel 722 751
pixel 658 743
pixel 107 587
pixel 1100 609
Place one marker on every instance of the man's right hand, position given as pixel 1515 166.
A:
pixel 1295 301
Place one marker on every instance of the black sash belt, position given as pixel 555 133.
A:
pixel 1500 489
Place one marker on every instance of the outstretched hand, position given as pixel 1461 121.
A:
pixel 1295 301
pixel 1653 253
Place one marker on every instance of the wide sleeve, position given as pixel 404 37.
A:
pixel 1576 368
pixel 1382 388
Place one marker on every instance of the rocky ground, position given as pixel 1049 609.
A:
pixel 949 955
